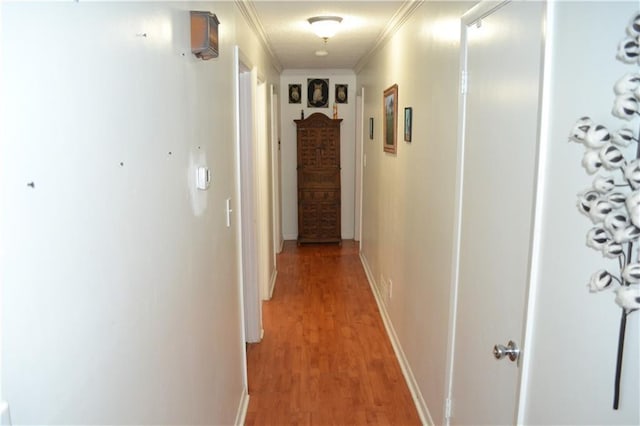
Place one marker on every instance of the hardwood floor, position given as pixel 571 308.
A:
pixel 325 358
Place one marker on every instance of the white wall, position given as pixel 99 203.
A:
pixel 408 198
pixel 121 294
pixel 290 112
pixel 575 334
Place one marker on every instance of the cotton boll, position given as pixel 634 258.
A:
pixel 591 161
pixel 631 273
pixel 625 107
pixel 628 51
pixel 627 84
pixel 623 137
pixel 633 207
pixel 579 130
pixel 599 281
pixel 632 173
pixel 596 136
pixel 633 29
pixel 612 250
pixel 616 199
pixel 612 158
pixel 615 221
pixel 599 210
pixel 597 237
pixel 603 184
pixel 585 200
pixel 630 233
pixel 628 298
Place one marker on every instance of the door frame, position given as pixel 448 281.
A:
pixel 479 11
pixel 276 173
pixel 248 256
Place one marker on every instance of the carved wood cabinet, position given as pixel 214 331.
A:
pixel 318 179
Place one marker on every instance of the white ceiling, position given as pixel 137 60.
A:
pixel 284 28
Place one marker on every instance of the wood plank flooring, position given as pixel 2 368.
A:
pixel 325 358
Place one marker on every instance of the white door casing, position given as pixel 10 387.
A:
pixel 502 50
pixel 249 254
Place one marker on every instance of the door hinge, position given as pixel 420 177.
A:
pixel 463 82
pixel 447 408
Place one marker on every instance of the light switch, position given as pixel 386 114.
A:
pixel 203 178
pixel 229 210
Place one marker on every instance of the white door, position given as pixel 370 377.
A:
pixel 503 68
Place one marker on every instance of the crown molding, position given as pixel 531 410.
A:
pixel 400 17
pixel 250 15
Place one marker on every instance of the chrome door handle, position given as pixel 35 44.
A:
pixel 511 350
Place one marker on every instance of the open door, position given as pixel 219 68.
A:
pixel 503 65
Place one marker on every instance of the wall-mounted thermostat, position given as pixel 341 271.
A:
pixel 203 178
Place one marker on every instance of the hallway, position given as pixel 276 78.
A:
pixel 325 357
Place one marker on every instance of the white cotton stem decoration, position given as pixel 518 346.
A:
pixel 614 207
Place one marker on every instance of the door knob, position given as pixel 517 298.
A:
pixel 511 350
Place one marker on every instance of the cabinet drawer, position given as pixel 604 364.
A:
pixel 331 196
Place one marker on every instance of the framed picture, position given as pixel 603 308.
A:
pixel 408 112
pixel 318 92
pixel 371 128
pixel 390 121
pixel 295 93
pixel 342 94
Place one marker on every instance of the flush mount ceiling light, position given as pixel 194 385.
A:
pixel 325 26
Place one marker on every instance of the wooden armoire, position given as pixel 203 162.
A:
pixel 318 143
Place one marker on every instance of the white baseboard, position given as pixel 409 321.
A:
pixel 418 400
pixel 290 236
pixel 242 408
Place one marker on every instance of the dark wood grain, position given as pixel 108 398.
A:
pixel 325 358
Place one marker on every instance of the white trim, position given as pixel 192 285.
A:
pixel 250 15
pixel 241 414
pixel 272 283
pixel 482 10
pixel 359 172
pixel 400 17
pixel 418 400
pixel 238 213
pixel 292 237
pixel 249 256
pixel 538 209
pixel 455 263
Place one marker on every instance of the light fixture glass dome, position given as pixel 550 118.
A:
pixel 325 26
